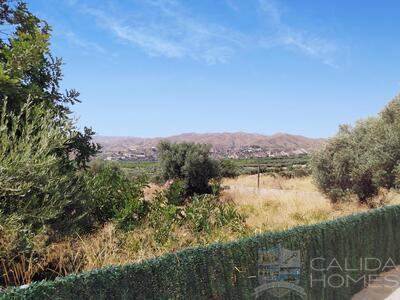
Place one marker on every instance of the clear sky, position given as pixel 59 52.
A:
pixel 161 67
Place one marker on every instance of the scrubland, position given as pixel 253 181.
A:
pixel 279 204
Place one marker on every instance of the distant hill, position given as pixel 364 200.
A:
pixel 237 145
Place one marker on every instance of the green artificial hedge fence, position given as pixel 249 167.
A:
pixel 229 270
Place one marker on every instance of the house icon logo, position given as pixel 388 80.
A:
pixel 279 272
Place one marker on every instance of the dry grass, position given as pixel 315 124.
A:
pixel 269 182
pixel 285 203
pixel 107 247
pixel 151 190
pixel 266 212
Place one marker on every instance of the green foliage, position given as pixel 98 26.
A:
pixel 14 236
pixel 203 215
pixel 29 71
pixel 227 270
pixel 189 162
pixel 396 172
pixel 116 197
pixel 215 185
pixel 27 67
pixel 230 217
pixel 43 192
pixel 142 168
pixel 36 183
pixel 228 169
pixel 200 212
pixel 162 217
pixel 175 193
pixel 289 167
pixel 206 213
pixel 361 160
pixel 300 172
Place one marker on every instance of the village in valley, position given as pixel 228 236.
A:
pixel 141 154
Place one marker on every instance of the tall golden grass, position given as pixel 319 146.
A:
pixel 282 203
pixel 273 182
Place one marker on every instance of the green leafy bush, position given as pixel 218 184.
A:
pixel 229 216
pixel 175 193
pixel 114 196
pixel 206 213
pixel 200 212
pixel 162 217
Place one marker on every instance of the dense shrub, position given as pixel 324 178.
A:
pixel 206 213
pixel 42 196
pixel 203 215
pixel 189 162
pixel 175 193
pixel 363 159
pixel 162 217
pixel 42 154
pixel 36 184
pixel 114 196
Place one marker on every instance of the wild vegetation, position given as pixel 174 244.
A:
pixel 363 159
pixel 226 270
pixel 61 213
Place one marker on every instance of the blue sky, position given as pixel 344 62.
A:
pixel 161 67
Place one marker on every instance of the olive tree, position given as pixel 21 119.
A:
pixel 362 159
pixel 36 184
pixel 189 162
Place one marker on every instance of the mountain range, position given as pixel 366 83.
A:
pixel 236 145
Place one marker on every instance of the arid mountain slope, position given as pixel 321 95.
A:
pixel 223 144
